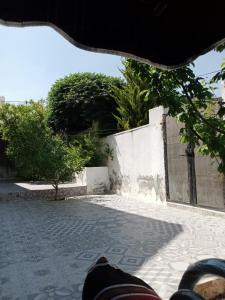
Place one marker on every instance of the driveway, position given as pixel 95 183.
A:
pixel 47 247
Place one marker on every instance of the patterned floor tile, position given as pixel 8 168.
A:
pixel 47 247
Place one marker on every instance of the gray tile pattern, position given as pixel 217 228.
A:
pixel 47 247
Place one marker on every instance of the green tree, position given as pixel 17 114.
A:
pixel 36 152
pixel 59 163
pixel 187 98
pixel 81 99
pixel 132 109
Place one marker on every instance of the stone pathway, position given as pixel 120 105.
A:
pixel 47 247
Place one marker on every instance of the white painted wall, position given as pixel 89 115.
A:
pixel 2 99
pixel 95 178
pixel 137 169
pixel 223 89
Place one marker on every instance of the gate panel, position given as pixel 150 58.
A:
pixel 210 184
pixel 177 164
pixel 192 178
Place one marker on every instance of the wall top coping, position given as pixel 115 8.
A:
pixel 130 130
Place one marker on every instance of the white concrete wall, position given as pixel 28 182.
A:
pixel 137 169
pixel 95 178
pixel 2 99
pixel 223 89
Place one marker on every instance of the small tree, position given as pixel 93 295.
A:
pixel 37 153
pixel 59 163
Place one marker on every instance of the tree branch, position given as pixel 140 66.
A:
pixel 200 138
pixel 196 110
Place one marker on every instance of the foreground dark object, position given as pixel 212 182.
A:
pixel 107 282
pixel 196 271
pixel 169 33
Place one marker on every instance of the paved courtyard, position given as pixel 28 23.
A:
pixel 47 247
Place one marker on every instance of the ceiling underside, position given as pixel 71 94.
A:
pixel 165 33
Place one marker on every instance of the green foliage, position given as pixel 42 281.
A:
pixel 190 100
pixel 132 109
pixel 22 127
pixel 93 150
pixel 220 48
pixel 81 99
pixel 221 74
pixel 60 161
pixel 168 88
pixel 37 153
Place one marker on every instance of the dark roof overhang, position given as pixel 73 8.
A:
pixel 166 33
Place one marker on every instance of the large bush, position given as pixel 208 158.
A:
pixel 81 99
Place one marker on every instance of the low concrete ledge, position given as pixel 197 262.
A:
pixel 26 191
pixel 96 179
pixel 201 210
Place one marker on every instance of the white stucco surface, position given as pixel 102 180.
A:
pixel 223 89
pixel 95 178
pixel 137 169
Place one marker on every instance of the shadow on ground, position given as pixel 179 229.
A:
pixel 47 247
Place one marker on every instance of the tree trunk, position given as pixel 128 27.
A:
pixel 56 191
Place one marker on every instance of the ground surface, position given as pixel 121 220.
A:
pixel 47 247
pixel 12 187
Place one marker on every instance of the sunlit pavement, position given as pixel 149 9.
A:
pixel 47 247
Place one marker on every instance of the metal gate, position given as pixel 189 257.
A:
pixel 192 179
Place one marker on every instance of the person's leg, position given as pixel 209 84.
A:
pixel 105 281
